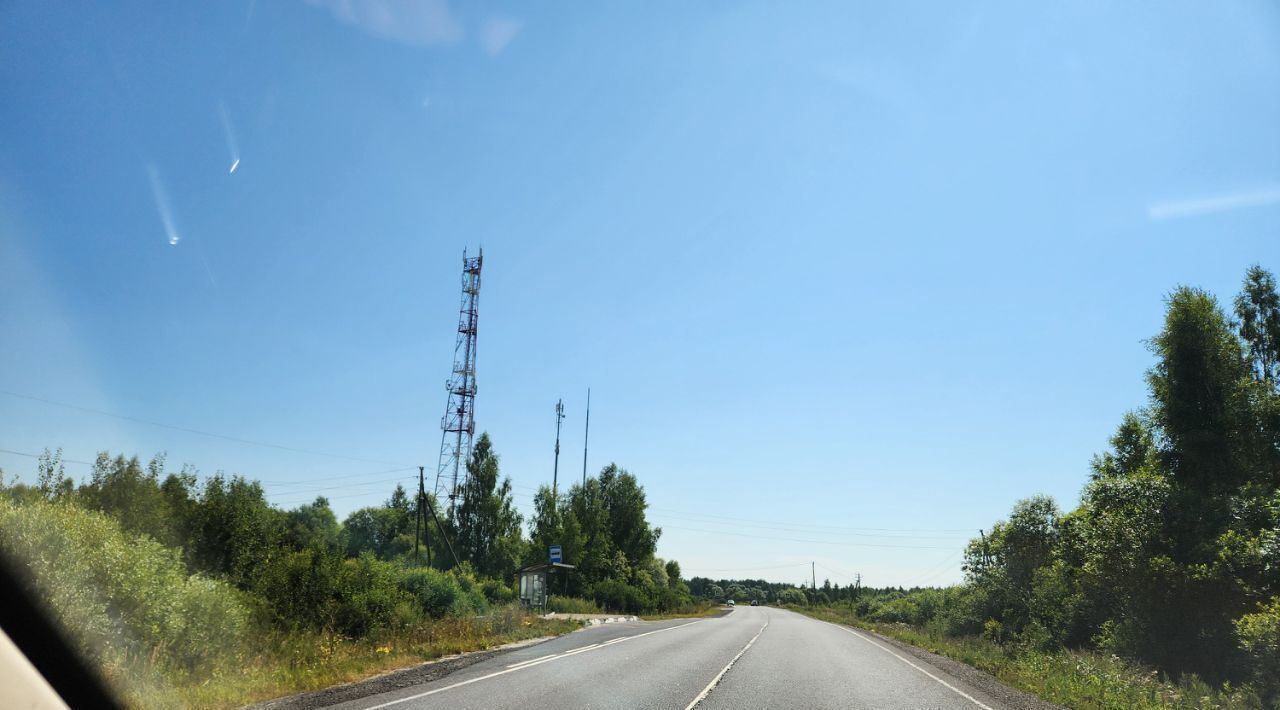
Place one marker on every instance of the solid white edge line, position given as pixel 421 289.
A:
pixel 882 647
pixel 530 664
pixel 710 686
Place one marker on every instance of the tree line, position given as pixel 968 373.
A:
pixel 1172 557
pixel 303 569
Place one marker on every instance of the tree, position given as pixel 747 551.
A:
pixel 52 481
pixel 1199 398
pixel 1133 449
pixel 1258 308
pixel 625 505
pixel 121 488
pixel 385 530
pixel 673 573
pixel 234 531
pixel 488 526
pixel 313 526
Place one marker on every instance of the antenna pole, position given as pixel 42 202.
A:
pixel 417 517
pixel 586 435
pixel 555 474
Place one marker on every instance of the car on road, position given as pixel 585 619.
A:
pixel 729 603
pixel 755 603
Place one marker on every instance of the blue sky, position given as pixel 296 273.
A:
pixel 846 280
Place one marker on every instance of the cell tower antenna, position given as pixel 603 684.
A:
pixel 555 473
pixel 458 425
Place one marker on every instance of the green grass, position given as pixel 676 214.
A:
pixel 297 663
pixel 571 605
pixel 1075 679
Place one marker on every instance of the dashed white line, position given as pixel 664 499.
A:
pixel 531 660
pixel 889 651
pixel 707 690
pixel 528 664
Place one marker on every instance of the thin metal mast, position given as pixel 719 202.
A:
pixel 586 434
pixel 458 425
pixel 555 474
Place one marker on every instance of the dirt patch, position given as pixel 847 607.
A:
pixel 391 680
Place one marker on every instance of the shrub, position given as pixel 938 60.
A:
pixel 620 597
pixel 572 605
pixel 367 591
pixel 1259 635
pixel 433 591
pixel 496 592
pixel 123 597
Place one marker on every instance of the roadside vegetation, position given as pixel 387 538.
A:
pixel 1162 587
pixel 190 591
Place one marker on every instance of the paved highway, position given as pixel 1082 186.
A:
pixel 755 657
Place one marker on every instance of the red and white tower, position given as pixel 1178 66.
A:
pixel 458 425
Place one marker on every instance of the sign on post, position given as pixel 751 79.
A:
pixel 555 554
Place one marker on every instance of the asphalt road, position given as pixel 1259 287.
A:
pixel 755 657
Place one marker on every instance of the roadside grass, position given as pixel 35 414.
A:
pixel 571 605
pixel 1075 679
pixel 688 611
pixel 297 663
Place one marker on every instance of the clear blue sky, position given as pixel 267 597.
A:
pixel 821 264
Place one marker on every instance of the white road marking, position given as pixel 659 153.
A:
pixel 707 690
pixel 531 660
pixel 530 664
pixel 895 654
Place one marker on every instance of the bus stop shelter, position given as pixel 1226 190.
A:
pixel 537 582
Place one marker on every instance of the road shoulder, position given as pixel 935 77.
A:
pixel 978 679
pixel 426 672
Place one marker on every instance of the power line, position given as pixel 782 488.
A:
pixel 814 542
pixel 189 430
pixel 934 571
pixel 838 573
pixel 36 456
pixel 743 569
pixel 802 529
pixel 347 486
pixel 334 478
pixel 822 527
pixel 337 497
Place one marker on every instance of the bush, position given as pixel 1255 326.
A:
pixel 1259 635
pixel 793 596
pixel 123 597
pixel 496 592
pixel 572 605
pixel 902 610
pixel 297 589
pixel 367 592
pixel 620 597
pixel 433 591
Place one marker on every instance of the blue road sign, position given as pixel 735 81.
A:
pixel 555 553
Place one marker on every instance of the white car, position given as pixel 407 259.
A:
pixel 729 603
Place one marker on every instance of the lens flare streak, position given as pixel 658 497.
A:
pixel 233 146
pixel 162 205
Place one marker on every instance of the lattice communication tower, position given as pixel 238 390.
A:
pixel 458 425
